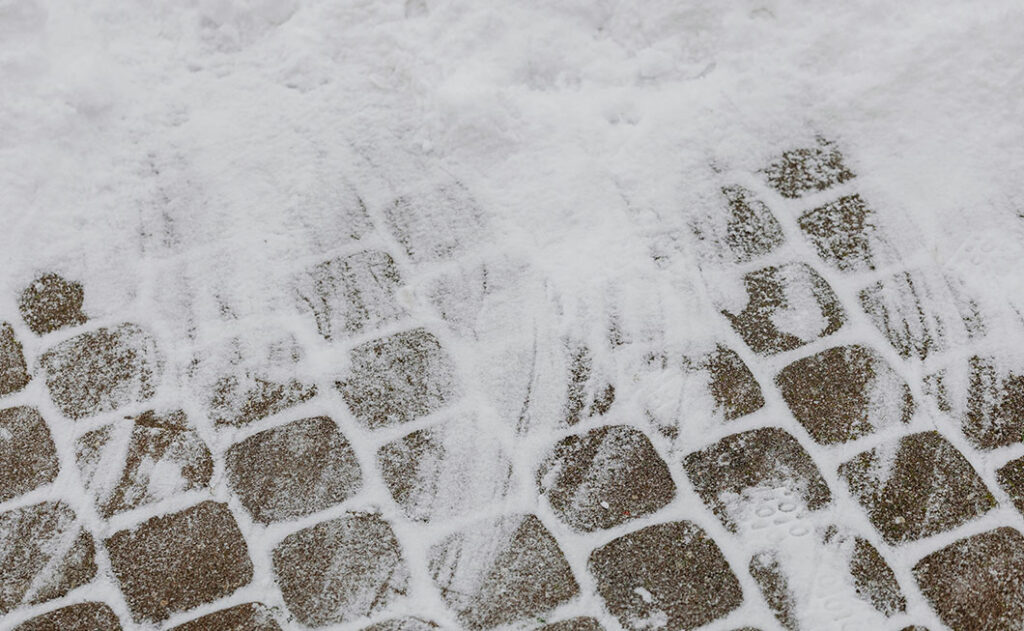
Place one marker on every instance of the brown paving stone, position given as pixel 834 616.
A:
pixel 793 295
pixel 398 378
pixel 44 554
pixel 293 470
pixel 873 579
pixel 774 586
pixel 340 570
pixel 435 224
pixel 101 370
pixel 977 583
pixel 604 478
pixel 844 393
pixel 581 623
pixel 80 617
pixel 994 412
pixel 164 457
pixel 350 294
pixel 683 579
pixel 752 230
pixel 28 457
pixel 920 487
pixel 585 396
pixel 760 457
pixel 1011 478
pixel 807 170
pixel 733 386
pixel 914 627
pixel 247 617
pixel 178 561
pixel 51 303
pixel 13 371
pixel 501 571
pixel 406 623
pixel 844 234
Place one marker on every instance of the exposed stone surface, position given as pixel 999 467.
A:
pixel 875 580
pixel 28 457
pixel 994 412
pixel 293 470
pixel 774 586
pixel 582 623
pixel 844 393
pixel 844 233
pixel 1011 478
pixel 247 617
pixel 734 388
pixel 101 370
pixel 501 571
pixel 51 303
pixel 178 561
pixel 808 170
pixel 683 579
pixel 767 457
pixel 340 570
pixel 13 371
pixel 978 582
pixel 44 554
pixel 604 478
pixel 918 488
pixel 435 223
pixel 398 378
pixel 406 623
pixel 81 617
pixel 752 229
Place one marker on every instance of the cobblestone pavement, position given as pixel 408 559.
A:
pixel 398 493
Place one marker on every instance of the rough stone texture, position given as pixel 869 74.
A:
pixel 687 581
pixel 406 623
pixel 585 396
pixel 51 303
pixel 994 412
pixel 435 223
pixel 164 457
pixel 977 583
pixel 807 170
pixel 844 234
pixel 734 388
pixel 242 400
pixel 604 478
pixel 340 570
pixel 787 307
pixel 581 623
pixel 178 561
pixel 918 488
pixel 874 579
pixel 81 617
pixel 844 393
pixel 774 586
pixel 247 617
pixel 350 294
pixel 101 370
pixel 1011 478
pixel 44 554
pixel 761 457
pixel 293 470
pixel 445 470
pixel 13 371
pixel 501 571
pixel 752 229
pixel 398 378
pixel 28 457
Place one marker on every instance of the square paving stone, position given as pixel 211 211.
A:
pixel 1011 478
pixel 101 370
pixel 920 487
pixel 808 170
pixel 767 457
pixel 405 623
pixel 13 371
pixel 581 623
pixel 350 294
pixel 293 470
pixel 502 571
pixel 398 378
pixel 604 478
pixel 732 385
pixel 993 415
pixel 163 458
pixel 435 224
pixel 844 393
pixel 668 576
pixel 844 233
pixel 247 617
pixel 44 554
pixel 787 307
pixel 775 590
pixel 51 303
pixel 80 617
pixel 873 578
pixel 179 561
pixel 340 570
pixel 752 229
pixel 28 457
pixel 977 583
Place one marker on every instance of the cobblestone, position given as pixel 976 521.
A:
pixel 28 457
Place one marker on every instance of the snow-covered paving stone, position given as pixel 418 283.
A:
pixel 13 370
pixel 845 235
pixel 247 617
pixel 582 623
pixel 52 302
pixel 806 170
pixel 89 616
pixel 28 457
pixel 749 230
pixel 406 623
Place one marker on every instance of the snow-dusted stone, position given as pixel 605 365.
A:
pixel 91 616
pixel 405 623
pixel 179 561
pixel 917 488
pixel 435 223
pixel 293 470
pixel 669 576
pixel 13 371
pixel 845 235
pixel 775 589
pixel 350 294
pixel 844 393
pixel 247 617
pixel 581 623
pixel 874 580
pixel 28 457
pixel 497 572
pixel 767 457
pixel 978 582
pixel 340 570
pixel 51 303
pixel 1011 478
pixel 807 170
pixel 139 461
pixel 445 470
pixel 746 231
pixel 586 394
pixel 604 478
pixel 730 382
pixel 44 554
pixel 101 370
pixel 987 394
pixel 398 378
pixel 787 306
